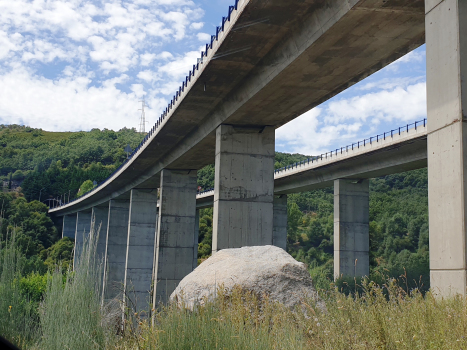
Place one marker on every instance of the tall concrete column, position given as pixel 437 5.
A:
pixel 446 56
pixel 195 243
pixel 176 235
pixel 244 187
pixel 83 228
pixel 351 228
pixel 100 216
pixel 115 256
pixel 280 222
pixel 69 226
pixel 140 248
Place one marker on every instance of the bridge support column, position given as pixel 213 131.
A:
pixel 446 51
pixel 100 216
pixel 244 187
pixel 115 256
pixel 351 228
pixel 177 242
pixel 69 226
pixel 83 228
pixel 195 245
pixel 280 222
pixel 140 248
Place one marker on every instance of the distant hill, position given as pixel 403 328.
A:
pixel 59 162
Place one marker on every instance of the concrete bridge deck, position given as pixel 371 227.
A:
pixel 273 61
pixel 270 62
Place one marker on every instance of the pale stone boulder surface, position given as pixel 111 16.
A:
pixel 262 270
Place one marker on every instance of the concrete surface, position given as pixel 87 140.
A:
pixel 140 249
pixel 351 228
pixel 83 228
pixel 69 226
pixel 446 35
pixel 100 215
pixel 244 187
pixel 115 257
pixel 176 247
pixel 296 55
pixel 279 237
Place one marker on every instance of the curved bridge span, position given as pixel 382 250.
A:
pixel 268 63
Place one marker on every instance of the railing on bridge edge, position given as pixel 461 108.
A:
pixel 357 145
pixel 177 95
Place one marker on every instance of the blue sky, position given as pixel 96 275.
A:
pixel 83 64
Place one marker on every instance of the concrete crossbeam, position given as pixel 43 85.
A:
pixel 140 249
pixel 83 228
pixel 69 226
pixel 244 187
pixel 351 228
pixel 280 222
pixel 446 51
pixel 115 256
pixel 177 241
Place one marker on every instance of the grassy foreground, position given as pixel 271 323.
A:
pixel 70 316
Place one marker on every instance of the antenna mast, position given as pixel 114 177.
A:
pixel 142 121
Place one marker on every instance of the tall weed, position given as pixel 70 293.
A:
pixel 71 313
pixel 17 314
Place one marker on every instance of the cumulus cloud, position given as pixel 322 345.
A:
pixel 67 57
pixel 343 120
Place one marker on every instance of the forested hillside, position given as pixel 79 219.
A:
pixel 57 164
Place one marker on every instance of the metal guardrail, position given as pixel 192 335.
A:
pixel 357 145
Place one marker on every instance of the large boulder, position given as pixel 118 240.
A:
pixel 261 270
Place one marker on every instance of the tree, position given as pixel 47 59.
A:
pixel 85 187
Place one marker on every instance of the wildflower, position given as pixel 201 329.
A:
pixel 9 308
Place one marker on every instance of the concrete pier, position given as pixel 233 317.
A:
pixel 115 256
pixel 446 56
pixel 244 187
pixel 69 226
pixel 177 242
pixel 195 243
pixel 280 222
pixel 100 216
pixel 351 228
pixel 140 249
pixel 83 228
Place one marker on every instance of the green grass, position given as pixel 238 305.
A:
pixel 383 317
pixel 18 318
pixel 71 312
pixel 375 316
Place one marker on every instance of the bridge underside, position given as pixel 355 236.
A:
pixel 275 61
pixel 278 60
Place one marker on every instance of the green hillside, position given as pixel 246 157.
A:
pixel 57 164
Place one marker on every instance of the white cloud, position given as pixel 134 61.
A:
pixel 68 104
pixel 203 37
pixel 197 25
pixel 345 120
pixel 396 103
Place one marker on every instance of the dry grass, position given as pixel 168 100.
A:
pixel 383 317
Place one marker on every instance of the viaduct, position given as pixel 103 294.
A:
pixel 269 62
